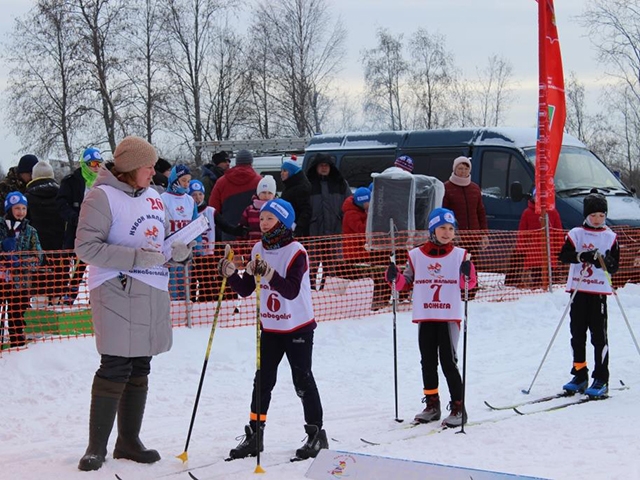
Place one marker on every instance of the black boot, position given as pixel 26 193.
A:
pixel 130 413
pixel 248 446
pixel 105 396
pixel 316 441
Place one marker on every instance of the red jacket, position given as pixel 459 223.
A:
pixel 354 220
pixel 531 237
pixel 466 203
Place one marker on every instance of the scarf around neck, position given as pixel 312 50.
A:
pixel 460 181
pixel 88 174
pixel 279 236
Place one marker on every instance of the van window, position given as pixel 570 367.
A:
pixel 433 164
pixel 499 170
pixel 357 168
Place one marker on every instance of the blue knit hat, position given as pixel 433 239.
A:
pixel 291 166
pixel 196 186
pixel 439 217
pixel 176 172
pixel 91 154
pixel 404 162
pixel 361 196
pixel 282 210
pixel 14 198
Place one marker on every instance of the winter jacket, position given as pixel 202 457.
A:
pixel 130 319
pixel 18 267
pixel 466 203
pixel 251 218
pixel 69 200
pixel 354 221
pixel 297 191
pixel 44 214
pixel 11 183
pixel 232 193
pixel 210 175
pixel 531 241
pixel 327 196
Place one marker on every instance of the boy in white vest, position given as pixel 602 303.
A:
pixel 582 249
pixel 288 322
pixel 437 272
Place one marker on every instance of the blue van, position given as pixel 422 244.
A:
pixel 503 166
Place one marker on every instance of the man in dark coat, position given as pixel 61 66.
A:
pixel 297 191
pixel 211 172
pixel 17 177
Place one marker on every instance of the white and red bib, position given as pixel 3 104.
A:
pixel 594 280
pixel 179 208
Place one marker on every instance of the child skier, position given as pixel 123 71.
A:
pixel 436 270
pixel 265 191
pixel 287 320
pixel 582 248
pixel 16 268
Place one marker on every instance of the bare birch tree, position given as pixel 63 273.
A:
pixel 494 93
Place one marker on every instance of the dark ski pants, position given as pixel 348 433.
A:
pixel 440 338
pixel 589 312
pixel 298 347
pixel 17 302
pixel 121 369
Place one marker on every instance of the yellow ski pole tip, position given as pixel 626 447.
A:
pixel 259 469
pixel 183 456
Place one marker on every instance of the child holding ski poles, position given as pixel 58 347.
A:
pixel 582 249
pixel 437 271
pixel 287 320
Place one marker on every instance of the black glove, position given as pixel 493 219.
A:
pixel 465 268
pixel 241 230
pixel 610 262
pixel 392 272
pixel 590 256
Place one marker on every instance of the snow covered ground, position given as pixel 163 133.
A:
pixel 45 392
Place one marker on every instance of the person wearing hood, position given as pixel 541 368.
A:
pixel 73 188
pixel 233 192
pixel 204 284
pixel 211 172
pixel 297 191
pixel 17 177
pixel 17 236
pixel 121 231
pixel 180 209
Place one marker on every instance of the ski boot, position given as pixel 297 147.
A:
pixel 598 389
pixel 431 412
pixel 316 441
pixel 248 446
pixel 455 417
pixel 577 384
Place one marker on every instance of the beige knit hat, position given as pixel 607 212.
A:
pixel 133 153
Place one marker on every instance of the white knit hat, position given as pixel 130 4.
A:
pixel 42 169
pixel 267 184
pixel 460 160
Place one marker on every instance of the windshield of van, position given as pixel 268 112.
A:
pixel 579 171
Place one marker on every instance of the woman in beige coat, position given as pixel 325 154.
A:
pixel 120 235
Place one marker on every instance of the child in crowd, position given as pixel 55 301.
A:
pixel 16 268
pixel 287 320
pixel 204 285
pixel 265 191
pixel 180 210
pixel 582 249
pixel 437 271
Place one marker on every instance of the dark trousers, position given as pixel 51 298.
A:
pixel 298 347
pixel 440 339
pixel 16 303
pixel 589 312
pixel 121 369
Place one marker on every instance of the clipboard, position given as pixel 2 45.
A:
pixel 186 234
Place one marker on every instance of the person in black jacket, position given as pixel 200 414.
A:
pixel 161 177
pixel 70 196
pixel 44 216
pixel 297 191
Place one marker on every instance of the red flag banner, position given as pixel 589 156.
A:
pixel 551 106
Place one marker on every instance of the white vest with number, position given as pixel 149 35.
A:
pixel 179 209
pixel 594 280
pixel 277 313
pixel 136 222
pixel 436 286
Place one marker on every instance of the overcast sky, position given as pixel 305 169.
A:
pixel 474 30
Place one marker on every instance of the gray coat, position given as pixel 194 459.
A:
pixel 130 321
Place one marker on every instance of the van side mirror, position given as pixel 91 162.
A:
pixel 515 192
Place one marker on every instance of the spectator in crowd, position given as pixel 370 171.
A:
pixel 180 210
pixel 120 233
pixel 19 241
pixel 265 191
pixel 17 177
pixel 211 172
pixel 464 198
pixel 45 218
pixel 232 192
pixel 204 283
pixel 297 191
pixel 161 177
pixel 329 190
pixel 70 196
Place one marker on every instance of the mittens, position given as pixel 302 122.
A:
pixel 226 267
pixel 148 258
pixel 180 252
pixel 260 267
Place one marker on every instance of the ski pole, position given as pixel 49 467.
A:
pixel 464 346
pixel 615 294
pixel 257 277
pixel 394 302
pixel 583 272
pixel 184 456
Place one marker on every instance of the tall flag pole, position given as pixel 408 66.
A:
pixel 551 106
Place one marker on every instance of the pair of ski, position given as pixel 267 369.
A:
pixel 293 459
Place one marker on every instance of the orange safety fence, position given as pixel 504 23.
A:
pixel 43 295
